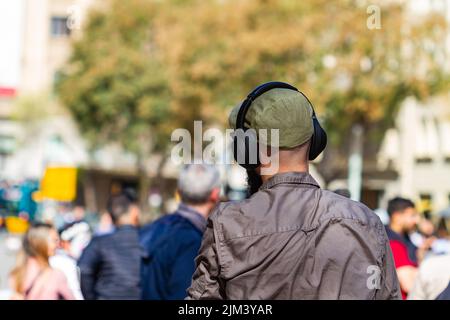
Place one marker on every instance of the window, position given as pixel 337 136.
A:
pixel 7 144
pixel 426 202
pixel 59 27
pixel 422 160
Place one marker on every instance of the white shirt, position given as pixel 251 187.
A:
pixel 433 277
pixel 68 266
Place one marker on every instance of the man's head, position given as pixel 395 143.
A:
pixel 287 110
pixel 124 208
pixel 199 185
pixel 403 214
pixel 74 237
pixel 290 112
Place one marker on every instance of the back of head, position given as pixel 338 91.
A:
pixel 398 205
pixel 282 118
pixel 35 241
pixel 119 205
pixel 282 109
pixel 196 182
pixel 34 245
pixel 77 234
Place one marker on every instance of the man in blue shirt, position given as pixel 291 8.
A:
pixel 172 242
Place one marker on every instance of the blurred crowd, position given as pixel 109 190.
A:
pixel 121 259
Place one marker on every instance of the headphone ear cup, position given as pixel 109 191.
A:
pixel 318 140
pixel 246 149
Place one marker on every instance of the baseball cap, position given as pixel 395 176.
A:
pixel 283 109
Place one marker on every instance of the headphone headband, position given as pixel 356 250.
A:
pixel 318 139
pixel 260 90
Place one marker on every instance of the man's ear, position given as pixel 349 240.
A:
pixel 215 195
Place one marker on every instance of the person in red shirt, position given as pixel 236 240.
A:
pixel 403 220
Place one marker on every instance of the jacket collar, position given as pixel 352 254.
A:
pixel 301 178
pixel 193 216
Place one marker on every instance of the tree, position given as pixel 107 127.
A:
pixel 115 85
pixel 353 74
pixel 143 68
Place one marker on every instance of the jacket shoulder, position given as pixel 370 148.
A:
pixel 101 239
pixel 167 227
pixel 172 221
pixel 336 207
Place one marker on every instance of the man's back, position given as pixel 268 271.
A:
pixel 110 266
pixel 171 244
pixel 292 240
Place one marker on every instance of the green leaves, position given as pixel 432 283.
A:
pixel 149 67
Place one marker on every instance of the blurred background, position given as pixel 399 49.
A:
pixel 91 90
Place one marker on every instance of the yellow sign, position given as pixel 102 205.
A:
pixel 59 183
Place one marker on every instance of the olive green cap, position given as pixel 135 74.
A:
pixel 283 109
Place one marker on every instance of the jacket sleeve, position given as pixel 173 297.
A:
pixel 205 282
pixel 88 264
pixel 352 263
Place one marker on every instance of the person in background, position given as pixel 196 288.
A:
pixel 171 243
pixel 445 295
pixel 110 264
pixel 73 239
pixel 424 236
pixel 33 278
pixel 432 278
pixel 403 221
pixel 105 225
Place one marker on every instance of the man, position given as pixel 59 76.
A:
pixel 432 278
pixel 403 220
pixel 172 242
pixel 291 239
pixel 110 264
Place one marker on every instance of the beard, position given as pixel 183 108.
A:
pixel 254 182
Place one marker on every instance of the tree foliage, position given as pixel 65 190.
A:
pixel 145 67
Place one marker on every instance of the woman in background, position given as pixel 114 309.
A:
pixel 33 278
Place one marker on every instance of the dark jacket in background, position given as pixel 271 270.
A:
pixel 171 244
pixel 293 240
pixel 445 295
pixel 110 266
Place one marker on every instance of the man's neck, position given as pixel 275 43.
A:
pixel 396 228
pixel 286 169
pixel 202 209
pixel 125 222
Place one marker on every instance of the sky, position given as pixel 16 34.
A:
pixel 11 12
pixel 11 29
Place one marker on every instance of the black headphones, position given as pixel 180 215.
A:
pixel 318 139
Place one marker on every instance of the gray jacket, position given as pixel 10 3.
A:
pixel 293 240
